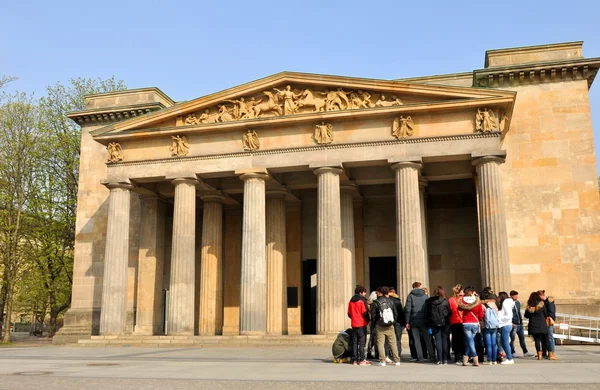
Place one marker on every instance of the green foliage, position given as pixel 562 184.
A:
pixel 39 174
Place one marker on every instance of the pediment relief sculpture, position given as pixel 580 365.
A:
pixel 289 101
pixel 485 120
pixel 403 127
pixel 323 133
pixel 250 140
pixel 179 146
pixel 115 152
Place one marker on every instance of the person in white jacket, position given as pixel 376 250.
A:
pixel 505 315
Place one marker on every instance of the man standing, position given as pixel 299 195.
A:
pixel 517 328
pixel 415 320
pixel 359 318
pixel 383 312
pixel 400 318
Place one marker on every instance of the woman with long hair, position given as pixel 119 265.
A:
pixel 472 314
pixel 505 315
pixel 456 329
pixel 536 312
pixel 490 330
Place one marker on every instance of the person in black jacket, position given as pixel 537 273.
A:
pixel 400 319
pixel 385 329
pixel 437 313
pixel 536 312
pixel 551 308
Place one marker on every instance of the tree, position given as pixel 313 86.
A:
pixel 20 121
pixel 5 80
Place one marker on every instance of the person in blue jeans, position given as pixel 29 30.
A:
pixel 518 329
pixel 505 318
pixel 472 312
pixel 490 330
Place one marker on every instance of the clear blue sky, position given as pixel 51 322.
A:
pixel 193 48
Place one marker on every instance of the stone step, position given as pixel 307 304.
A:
pixel 209 341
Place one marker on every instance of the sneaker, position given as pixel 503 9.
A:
pixel 396 363
pixel 508 362
pixel 439 363
pixel 355 363
pixel 364 363
pixel 487 363
pixel 345 360
pixel 388 360
pixel 494 363
pixel 445 363
pixel 413 360
pixel 458 363
pixel 382 364
pixel 528 354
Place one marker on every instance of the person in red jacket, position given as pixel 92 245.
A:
pixel 456 327
pixel 472 313
pixel 359 319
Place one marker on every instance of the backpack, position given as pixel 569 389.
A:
pixel 435 314
pixel 491 318
pixel 386 314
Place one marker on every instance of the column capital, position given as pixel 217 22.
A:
pixel 423 182
pixel 350 188
pixel 123 185
pixel 497 156
pixel 212 196
pixel 187 180
pixel 275 194
pixel 335 170
pixel 407 164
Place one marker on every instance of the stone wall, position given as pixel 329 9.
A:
pixel 551 193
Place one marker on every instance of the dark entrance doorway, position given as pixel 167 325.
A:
pixel 309 296
pixel 382 272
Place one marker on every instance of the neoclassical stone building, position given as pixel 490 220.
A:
pixel 255 210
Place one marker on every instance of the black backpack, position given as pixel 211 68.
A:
pixel 435 314
pixel 386 313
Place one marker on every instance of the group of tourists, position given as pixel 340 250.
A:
pixel 476 327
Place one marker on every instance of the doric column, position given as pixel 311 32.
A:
pixel 150 267
pixel 253 296
pixel 211 266
pixel 113 313
pixel 493 240
pixel 180 316
pixel 409 241
pixel 423 203
pixel 331 303
pixel 348 246
pixel 276 263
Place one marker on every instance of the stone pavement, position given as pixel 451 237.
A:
pixel 53 367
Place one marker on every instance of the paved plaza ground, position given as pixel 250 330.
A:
pixel 52 367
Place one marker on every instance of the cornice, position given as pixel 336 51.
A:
pixel 537 73
pixel 107 116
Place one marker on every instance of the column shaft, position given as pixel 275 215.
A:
pixel 423 203
pixel 331 303
pixel 211 267
pixel 495 264
pixel 113 312
pixel 276 264
pixel 348 245
pixel 150 267
pixel 411 267
pixel 253 296
pixel 180 318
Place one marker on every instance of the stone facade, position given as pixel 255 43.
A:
pixel 254 210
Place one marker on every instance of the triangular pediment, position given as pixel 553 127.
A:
pixel 305 97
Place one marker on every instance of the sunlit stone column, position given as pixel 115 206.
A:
pixel 423 203
pixel 409 241
pixel 113 312
pixel 253 296
pixel 180 317
pixel 211 266
pixel 148 319
pixel 331 302
pixel 348 193
pixel 493 240
pixel 276 263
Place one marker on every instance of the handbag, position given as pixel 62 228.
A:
pixel 549 321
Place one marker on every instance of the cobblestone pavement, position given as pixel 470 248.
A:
pixel 52 367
